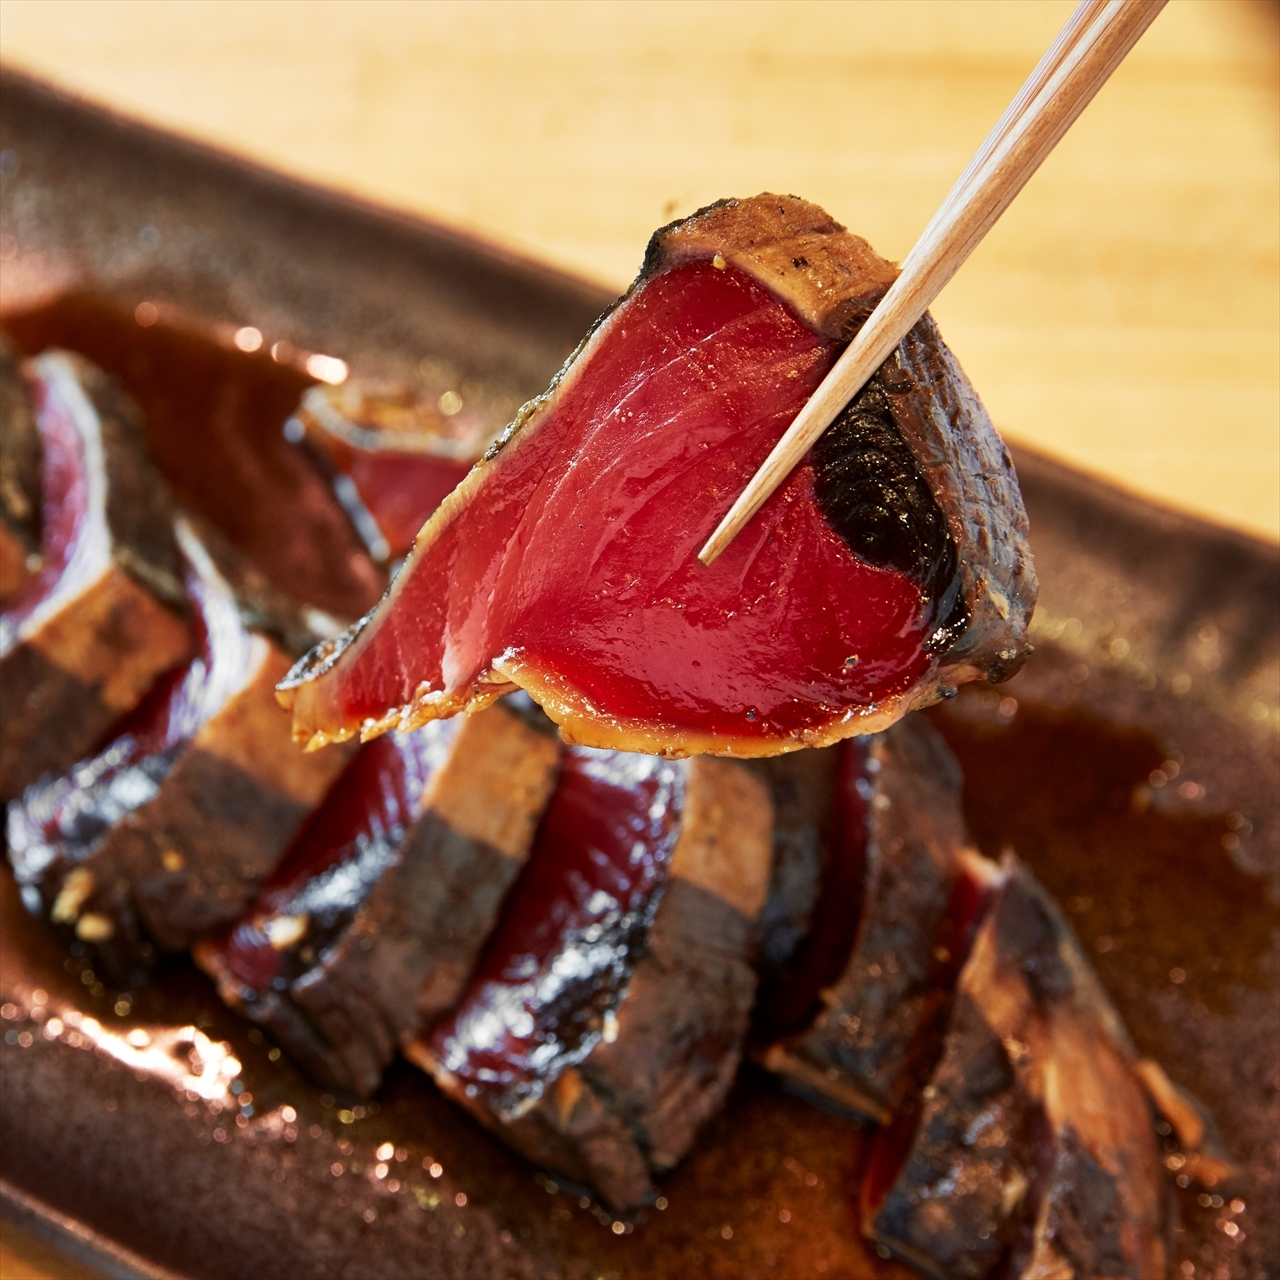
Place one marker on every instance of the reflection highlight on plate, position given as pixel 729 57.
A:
pixel 183 1057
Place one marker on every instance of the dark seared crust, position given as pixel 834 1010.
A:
pixel 228 828
pixel 69 672
pixel 677 1039
pixel 833 280
pixel 801 785
pixel 858 1052
pixel 288 1026
pixel 975 1090
pixel 637 1101
pixel 869 488
pixel 971 474
pixel 572 1130
pixel 20 453
pixel 140 512
pixel 666 1056
pixel 1030 932
pixel 1034 1124
pixel 50 717
pixel 175 844
pixel 830 278
pixel 410 949
pixel 191 858
pixel 179 866
pixel 89 665
pixel 1080 1224
pixel 681 1026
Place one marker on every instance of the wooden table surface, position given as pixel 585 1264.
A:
pixel 1122 316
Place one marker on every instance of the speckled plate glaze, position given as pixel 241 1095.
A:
pixel 1132 764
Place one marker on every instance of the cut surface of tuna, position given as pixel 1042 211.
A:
pixel 371 924
pixel 605 1022
pixel 85 637
pixel 391 457
pixel 20 489
pixel 167 830
pixel 890 566
pixel 1033 1147
pixel 905 910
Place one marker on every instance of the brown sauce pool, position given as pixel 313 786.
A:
pixel 1070 795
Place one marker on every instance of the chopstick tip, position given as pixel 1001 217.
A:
pixel 710 551
pixel 724 533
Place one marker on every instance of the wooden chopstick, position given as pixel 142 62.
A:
pixel 1082 17
pixel 1090 47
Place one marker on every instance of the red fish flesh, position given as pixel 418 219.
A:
pixel 391 459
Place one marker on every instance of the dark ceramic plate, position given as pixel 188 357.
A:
pixel 1133 764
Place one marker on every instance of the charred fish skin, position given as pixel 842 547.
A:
pixel 313 894
pixel 873 494
pixel 801 786
pixel 1034 1140
pixel 367 950
pixel 165 832
pixel 549 571
pixel 21 500
pixel 888 1004
pixel 652 1054
pixel 684 1018
pixel 84 639
pixel 950 1211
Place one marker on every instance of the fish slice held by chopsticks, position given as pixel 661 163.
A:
pixel 887 567
pixel 890 568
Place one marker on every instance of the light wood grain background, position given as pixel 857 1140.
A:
pixel 1123 316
